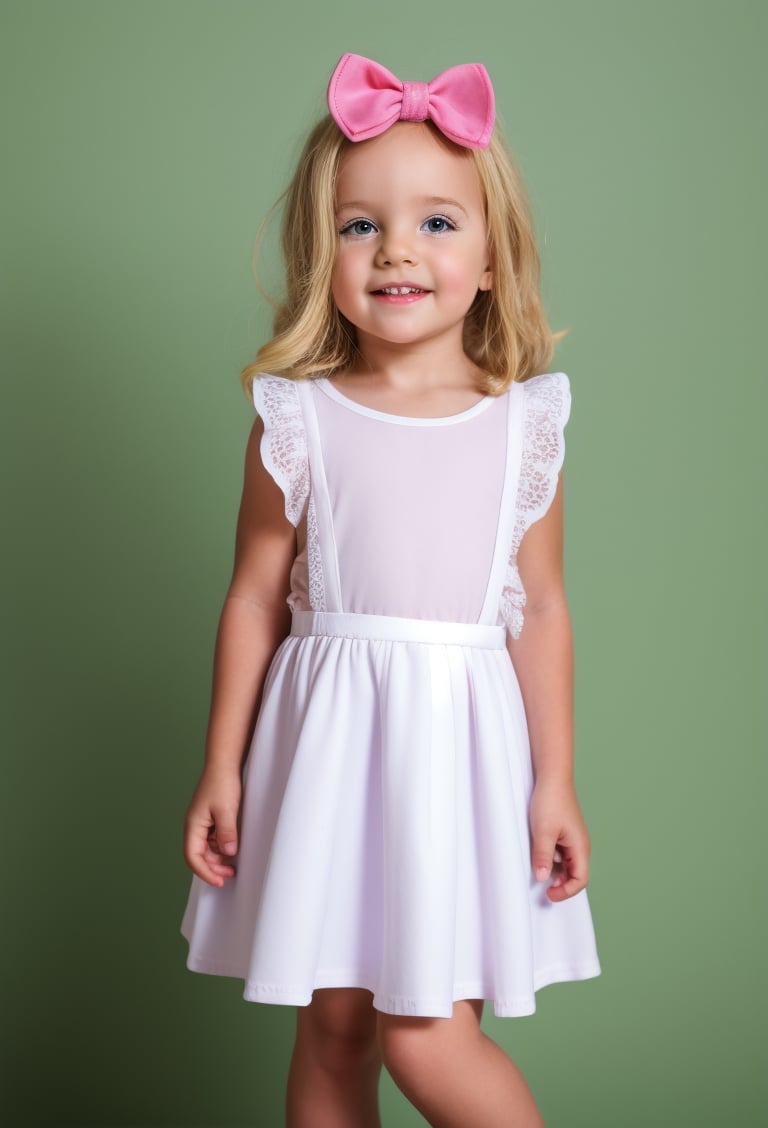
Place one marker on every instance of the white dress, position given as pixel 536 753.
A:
pixel 384 824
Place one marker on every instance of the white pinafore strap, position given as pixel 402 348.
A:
pixel 326 537
pixel 391 628
pixel 506 523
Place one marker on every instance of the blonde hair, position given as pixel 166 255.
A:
pixel 506 332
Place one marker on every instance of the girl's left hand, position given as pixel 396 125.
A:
pixel 560 844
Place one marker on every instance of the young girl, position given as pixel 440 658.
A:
pixel 399 851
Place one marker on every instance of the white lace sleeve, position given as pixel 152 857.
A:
pixel 546 407
pixel 284 443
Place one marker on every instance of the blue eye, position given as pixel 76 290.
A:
pixel 358 227
pixel 437 224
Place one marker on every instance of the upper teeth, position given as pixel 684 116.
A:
pixel 402 290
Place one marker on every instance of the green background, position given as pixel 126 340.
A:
pixel 142 144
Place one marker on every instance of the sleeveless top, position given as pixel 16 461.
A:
pixel 417 503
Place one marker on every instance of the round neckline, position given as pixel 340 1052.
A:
pixel 403 420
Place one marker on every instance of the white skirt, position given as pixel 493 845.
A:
pixel 384 829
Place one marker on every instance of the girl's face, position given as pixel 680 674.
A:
pixel 413 249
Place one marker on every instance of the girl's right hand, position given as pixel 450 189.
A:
pixel 210 828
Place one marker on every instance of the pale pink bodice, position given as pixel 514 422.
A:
pixel 417 518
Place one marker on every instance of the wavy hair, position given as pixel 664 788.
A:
pixel 506 332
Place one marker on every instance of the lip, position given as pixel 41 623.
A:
pixel 399 299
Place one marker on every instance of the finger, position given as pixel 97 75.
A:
pixel 224 832
pixel 217 861
pixel 559 870
pixel 573 877
pixel 204 870
pixel 202 859
pixel 211 867
pixel 543 853
pixel 569 888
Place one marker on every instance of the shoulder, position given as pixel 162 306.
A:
pixel 546 406
pixel 550 394
pixel 283 442
pixel 273 394
pixel 545 402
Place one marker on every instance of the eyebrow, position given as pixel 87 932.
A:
pixel 436 201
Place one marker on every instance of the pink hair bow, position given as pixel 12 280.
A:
pixel 365 99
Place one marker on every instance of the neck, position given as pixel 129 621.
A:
pixel 413 367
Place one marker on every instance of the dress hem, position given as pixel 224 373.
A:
pixel 299 996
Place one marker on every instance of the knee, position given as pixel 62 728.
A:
pixel 418 1051
pixel 339 1029
pixel 409 1047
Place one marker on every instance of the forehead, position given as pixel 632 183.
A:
pixel 409 159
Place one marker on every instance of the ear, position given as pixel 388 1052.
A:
pixel 486 279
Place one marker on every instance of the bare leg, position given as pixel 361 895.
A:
pixel 453 1073
pixel 334 1076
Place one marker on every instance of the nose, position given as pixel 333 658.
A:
pixel 395 248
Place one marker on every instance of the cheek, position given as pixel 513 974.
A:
pixel 350 278
pixel 345 276
pixel 460 274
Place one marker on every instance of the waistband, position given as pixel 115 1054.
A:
pixel 390 628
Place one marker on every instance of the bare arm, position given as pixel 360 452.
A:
pixel 254 621
pixel 543 661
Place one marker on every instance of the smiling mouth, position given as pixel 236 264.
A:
pixel 400 291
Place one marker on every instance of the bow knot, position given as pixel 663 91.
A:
pixel 415 105
pixel 365 99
